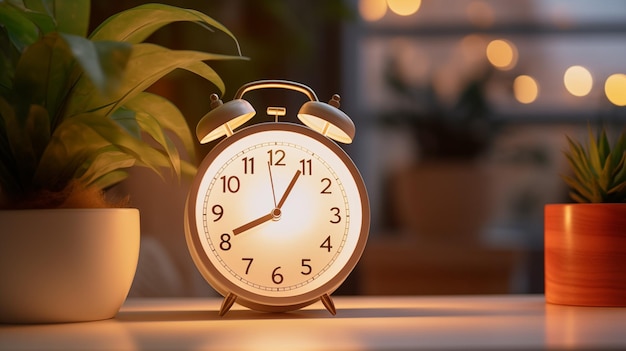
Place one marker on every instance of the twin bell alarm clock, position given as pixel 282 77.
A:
pixel 278 215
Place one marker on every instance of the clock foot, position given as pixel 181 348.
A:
pixel 329 304
pixel 228 302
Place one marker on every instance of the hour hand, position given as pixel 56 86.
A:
pixel 274 214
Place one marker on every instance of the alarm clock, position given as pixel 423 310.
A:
pixel 278 214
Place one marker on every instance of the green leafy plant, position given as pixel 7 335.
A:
pixel 599 170
pixel 74 113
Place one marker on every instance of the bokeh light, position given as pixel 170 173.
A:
pixel 404 7
pixel 502 54
pixel 372 10
pixel 525 89
pixel 578 80
pixel 615 89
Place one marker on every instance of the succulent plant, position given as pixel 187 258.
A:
pixel 599 170
pixel 74 114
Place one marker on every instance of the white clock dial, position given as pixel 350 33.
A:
pixel 281 214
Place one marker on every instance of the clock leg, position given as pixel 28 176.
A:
pixel 228 302
pixel 329 304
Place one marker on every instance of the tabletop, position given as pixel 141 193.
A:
pixel 362 323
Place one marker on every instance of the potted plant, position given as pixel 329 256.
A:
pixel 74 117
pixel 585 242
pixel 451 138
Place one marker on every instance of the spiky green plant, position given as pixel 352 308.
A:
pixel 73 110
pixel 599 170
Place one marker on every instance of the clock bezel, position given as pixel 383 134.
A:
pixel 250 298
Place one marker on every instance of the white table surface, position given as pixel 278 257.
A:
pixel 362 323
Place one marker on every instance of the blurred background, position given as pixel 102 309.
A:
pixel 461 109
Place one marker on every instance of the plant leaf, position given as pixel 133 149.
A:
pixel 72 16
pixel 617 154
pixel 70 146
pixel 59 75
pixel 599 194
pixel 38 14
pixel 38 128
pixel 594 155
pixel 620 175
pixel 151 125
pixel 147 64
pixel 77 138
pixel 139 121
pixel 604 149
pixel 203 70
pixel 8 63
pixel 125 118
pixel 136 24
pixel 579 188
pixel 42 73
pixel 22 31
pixel 17 154
pixel 168 116
pixel 42 6
pixel 103 62
pixel 107 160
pixel 576 197
pixel 109 179
pixel 577 158
pixel 19 142
pixel 41 76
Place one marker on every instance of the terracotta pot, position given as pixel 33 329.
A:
pixel 436 202
pixel 66 265
pixel 585 254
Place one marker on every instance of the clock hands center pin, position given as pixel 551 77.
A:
pixel 274 213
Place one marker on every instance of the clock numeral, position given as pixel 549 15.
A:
pixel 326 244
pixel 307 267
pixel 328 184
pixel 277 278
pixel 278 155
pixel 249 263
pixel 336 214
pixel 217 210
pixel 306 166
pixel 225 244
pixel 248 165
pixel 231 184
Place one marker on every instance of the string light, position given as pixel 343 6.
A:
pixel 615 89
pixel 578 80
pixel 372 10
pixel 525 89
pixel 404 7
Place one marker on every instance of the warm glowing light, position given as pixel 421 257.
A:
pixel 372 10
pixel 615 89
pixel 578 81
pixel 480 14
pixel 502 54
pixel 525 89
pixel 404 7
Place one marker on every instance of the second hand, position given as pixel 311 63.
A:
pixel 269 167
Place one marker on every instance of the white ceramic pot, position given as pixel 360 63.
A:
pixel 66 265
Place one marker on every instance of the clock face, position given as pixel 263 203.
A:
pixel 278 215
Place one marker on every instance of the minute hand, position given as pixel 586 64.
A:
pixel 288 190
